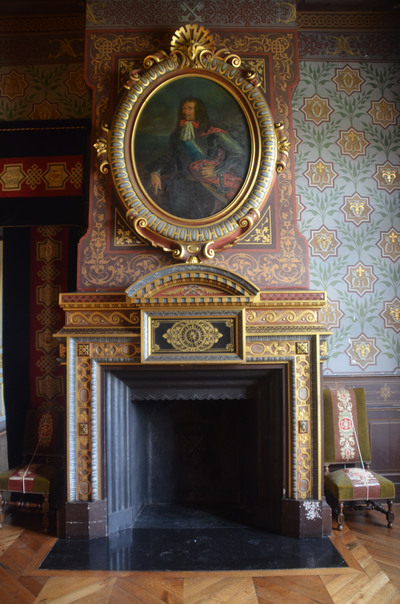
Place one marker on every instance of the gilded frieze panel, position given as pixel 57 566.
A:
pixel 83 418
pixel 303 424
pixel 88 318
pixel 284 317
pixel 117 350
pixel 271 349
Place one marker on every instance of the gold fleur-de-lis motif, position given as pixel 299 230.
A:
pixel 321 175
pixel 363 350
pixel 324 241
pixel 384 112
pixel 388 175
pixel 357 207
pixel 394 312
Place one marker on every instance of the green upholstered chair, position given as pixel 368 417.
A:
pixel 40 476
pixel 346 443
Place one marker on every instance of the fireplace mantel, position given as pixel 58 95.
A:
pixel 192 315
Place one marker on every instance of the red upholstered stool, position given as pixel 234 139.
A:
pixel 42 471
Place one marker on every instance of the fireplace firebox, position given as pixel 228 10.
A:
pixel 199 437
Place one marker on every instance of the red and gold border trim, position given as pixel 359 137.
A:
pixel 41 176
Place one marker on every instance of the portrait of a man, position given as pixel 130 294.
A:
pixel 194 167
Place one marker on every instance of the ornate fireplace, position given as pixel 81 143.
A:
pixel 193 346
pixel 194 388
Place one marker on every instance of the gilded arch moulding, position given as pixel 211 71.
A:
pixel 207 284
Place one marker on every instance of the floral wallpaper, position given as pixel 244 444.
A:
pixel 347 165
pixel 43 92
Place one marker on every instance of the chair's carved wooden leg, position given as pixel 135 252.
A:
pixel 381 508
pixel 1 510
pixel 389 514
pixel 45 510
pixel 340 517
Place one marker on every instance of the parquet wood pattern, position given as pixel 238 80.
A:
pixel 370 549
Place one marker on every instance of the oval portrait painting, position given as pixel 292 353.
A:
pixel 192 147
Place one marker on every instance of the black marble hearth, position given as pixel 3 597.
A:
pixel 182 538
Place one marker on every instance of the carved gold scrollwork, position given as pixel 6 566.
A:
pixel 101 149
pixel 324 349
pixel 157 57
pixel 133 77
pixel 283 148
pixel 252 77
pixel 248 221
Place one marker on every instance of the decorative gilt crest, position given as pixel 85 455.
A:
pixel 191 46
pixel 192 336
pixel 191 43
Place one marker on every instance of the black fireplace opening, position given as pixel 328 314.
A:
pixel 195 446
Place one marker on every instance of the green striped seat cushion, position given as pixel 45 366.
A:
pixel 353 484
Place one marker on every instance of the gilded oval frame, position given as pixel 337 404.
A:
pixel 193 240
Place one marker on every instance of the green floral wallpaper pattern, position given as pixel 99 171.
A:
pixel 347 164
pixel 43 92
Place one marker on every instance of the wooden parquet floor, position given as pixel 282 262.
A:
pixel 371 551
